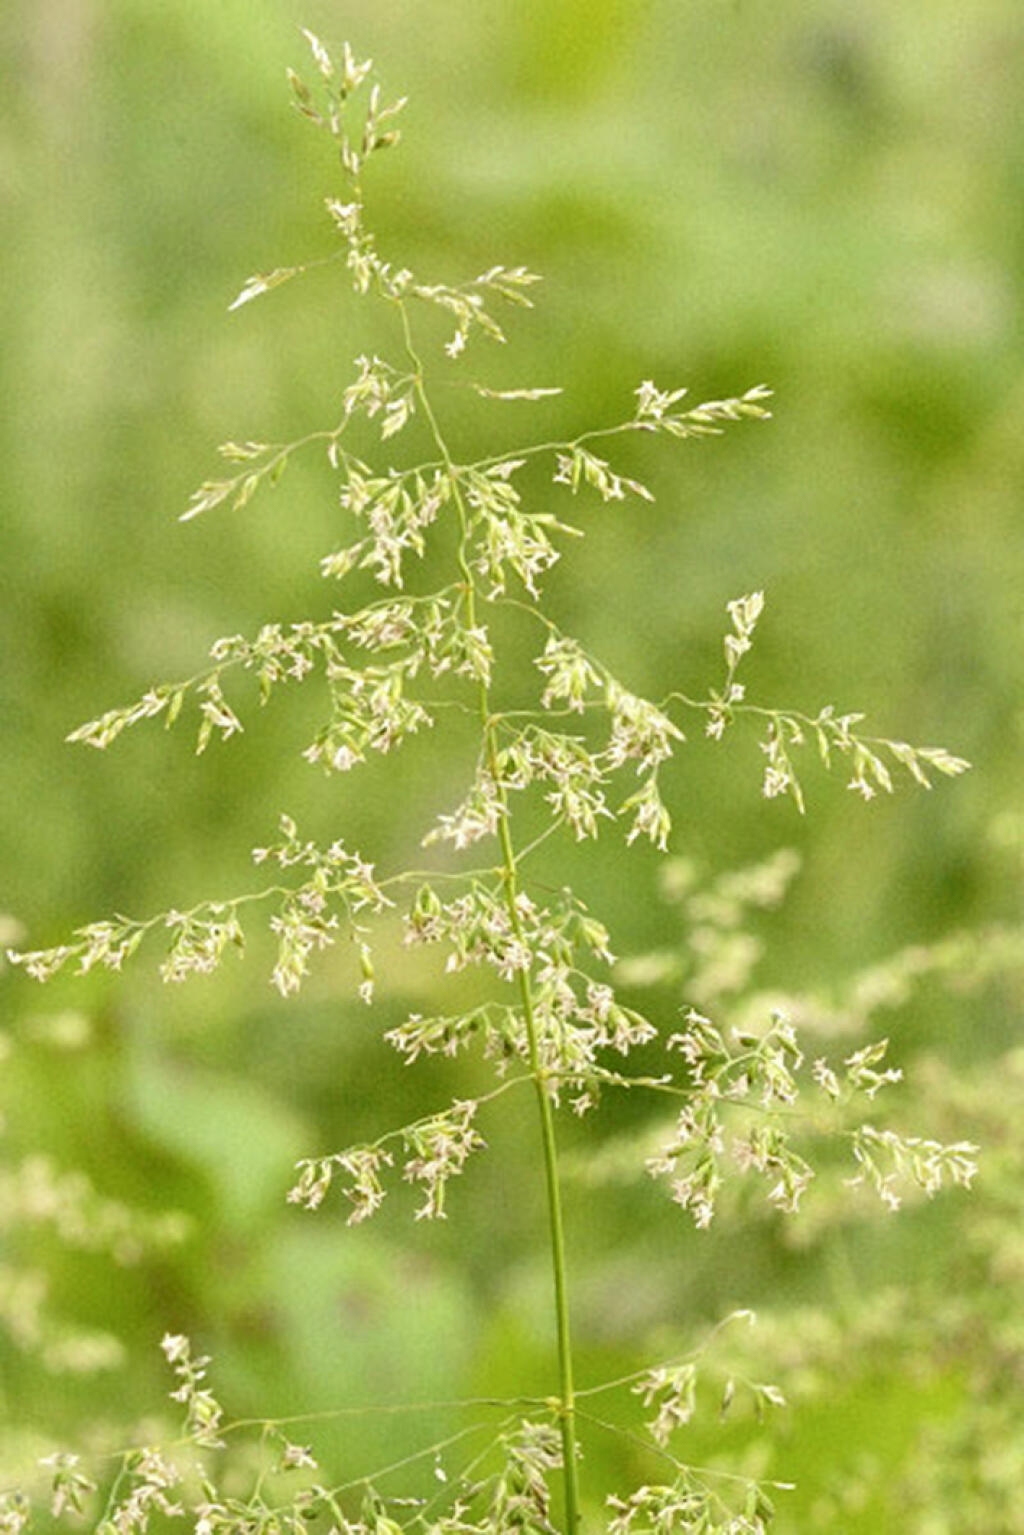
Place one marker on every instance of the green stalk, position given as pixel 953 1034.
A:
pixel 567 1399
pixel 556 1225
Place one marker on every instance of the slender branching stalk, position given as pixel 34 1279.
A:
pixel 566 1404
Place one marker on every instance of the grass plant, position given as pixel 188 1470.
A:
pixel 460 551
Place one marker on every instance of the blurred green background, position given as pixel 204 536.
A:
pixel 825 198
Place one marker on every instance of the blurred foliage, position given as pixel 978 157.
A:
pixel 823 198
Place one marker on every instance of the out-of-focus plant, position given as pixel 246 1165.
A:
pixel 461 550
pixel 950 1324
pixel 43 1203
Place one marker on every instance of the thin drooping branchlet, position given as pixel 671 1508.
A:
pixel 781 1102
pixel 959 1311
pixel 753 1083
pixel 557 1019
pixel 490 1476
pixel 436 1148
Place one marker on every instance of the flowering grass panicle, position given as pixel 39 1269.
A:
pixel 587 754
